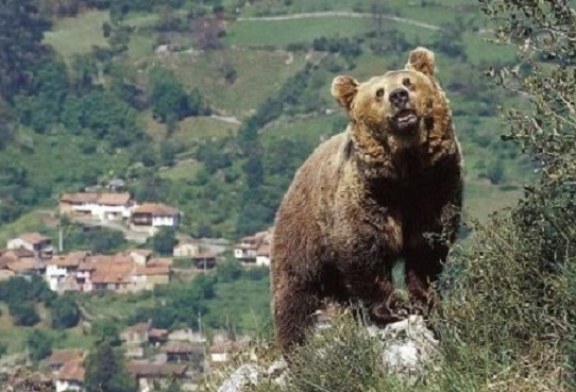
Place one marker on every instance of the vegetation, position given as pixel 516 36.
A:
pixel 39 345
pixel 97 89
pixel 131 99
pixel 507 318
pixel 231 297
pixel 105 370
pixel 164 241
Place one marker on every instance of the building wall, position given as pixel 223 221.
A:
pixel 17 243
pixel 54 275
pixel 104 212
pixel 68 385
pixel 263 261
pixel 170 221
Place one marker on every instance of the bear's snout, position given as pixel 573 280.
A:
pixel 399 98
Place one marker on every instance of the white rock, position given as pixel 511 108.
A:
pixel 408 347
pixel 245 375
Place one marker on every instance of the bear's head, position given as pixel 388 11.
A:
pixel 406 107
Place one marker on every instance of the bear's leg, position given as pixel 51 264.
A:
pixel 423 267
pixel 376 292
pixel 385 304
pixel 294 307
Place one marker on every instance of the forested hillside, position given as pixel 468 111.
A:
pixel 212 105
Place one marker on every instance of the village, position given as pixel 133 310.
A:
pixel 154 357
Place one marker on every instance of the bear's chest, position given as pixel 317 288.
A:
pixel 366 235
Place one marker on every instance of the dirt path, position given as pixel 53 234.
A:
pixel 346 14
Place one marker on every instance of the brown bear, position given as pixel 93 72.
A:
pixel 388 188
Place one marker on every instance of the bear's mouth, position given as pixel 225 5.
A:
pixel 405 120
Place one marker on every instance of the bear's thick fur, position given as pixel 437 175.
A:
pixel 368 197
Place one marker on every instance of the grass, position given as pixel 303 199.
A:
pixel 29 222
pixel 266 33
pixel 114 306
pixel 183 170
pixel 482 198
pixel 79 34
pixel 230 305
pixel 260 75
pixel 194 129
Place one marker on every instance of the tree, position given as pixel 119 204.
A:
pixel 170 102
pixel 39 345
pixel 65 313
pixel 512 303
pixel 22 29
pixel 105 371
pixel 164 241
pixel 207 32
pixel 23 313
pixel 106 331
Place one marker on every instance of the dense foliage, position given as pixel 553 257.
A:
pixel 231 297
pixel 113 112
pixel 22 296
pixel 105 370
pixel 513 306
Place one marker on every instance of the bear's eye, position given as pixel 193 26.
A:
pixel 407 82
pixel 380 93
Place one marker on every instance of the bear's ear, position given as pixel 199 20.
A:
pixel 344 89
pixel 422 60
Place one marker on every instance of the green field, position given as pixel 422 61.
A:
pixel 78 35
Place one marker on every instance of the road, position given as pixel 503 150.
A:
pixel 340 14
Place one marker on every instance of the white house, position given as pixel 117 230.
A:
pixel 254 249
pixel 104 206
pixel 37 243
pixel 68 369
pixel 60 268
pixel 81 203
pixel 70 378
pixel 113 206
pixel 263 255
pixel 151 216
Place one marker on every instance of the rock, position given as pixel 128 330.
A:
pixel 245 375
pixel 408 348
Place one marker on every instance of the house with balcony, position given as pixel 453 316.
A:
pixel 150 217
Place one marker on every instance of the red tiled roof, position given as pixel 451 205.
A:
pixel 263 250
pixel 147 369
pixel 73 370
pixel 59 357
pixel 79 198
pixel 115 272
pixel 22 265
pixel 34 238
pixel 158 333
pixel 159 262
pixel 155 209
pixel 178 348
pixel 72 259
pixel 20 253
pixel 114 199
